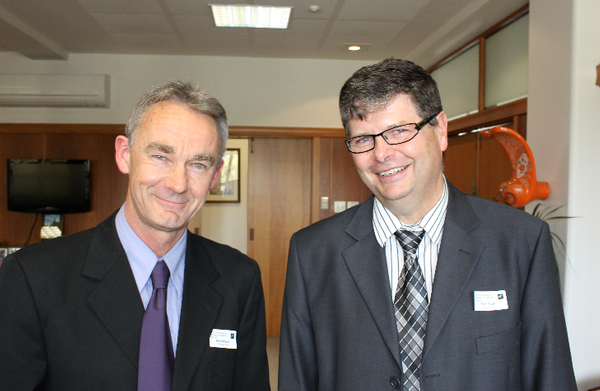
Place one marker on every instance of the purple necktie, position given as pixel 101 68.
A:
pixel 155 370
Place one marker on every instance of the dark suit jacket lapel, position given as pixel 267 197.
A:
pixel 459 252
pixel 367 265
pixel 199 312
pixel 116 300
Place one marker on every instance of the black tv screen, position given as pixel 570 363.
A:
pixel 49 185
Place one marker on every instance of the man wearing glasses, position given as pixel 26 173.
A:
pixel 421 287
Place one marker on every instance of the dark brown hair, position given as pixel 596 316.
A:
pixel 373 87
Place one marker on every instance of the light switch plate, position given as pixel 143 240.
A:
pixel 339 206
pixel 324 202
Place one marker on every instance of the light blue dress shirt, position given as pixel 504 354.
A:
pixel 142 261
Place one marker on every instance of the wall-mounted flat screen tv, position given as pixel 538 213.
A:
pixel 49 185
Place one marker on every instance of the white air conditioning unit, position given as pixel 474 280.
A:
pixel 51 90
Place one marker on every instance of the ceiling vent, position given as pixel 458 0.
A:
pixel 52 90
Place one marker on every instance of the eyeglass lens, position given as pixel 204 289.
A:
pixel 397 135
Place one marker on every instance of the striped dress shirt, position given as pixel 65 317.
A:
pixel 385 224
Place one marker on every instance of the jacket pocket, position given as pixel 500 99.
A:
pixel 498 341
pixel 222 365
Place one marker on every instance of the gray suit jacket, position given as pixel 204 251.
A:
pixel 338 326
pixel 71 315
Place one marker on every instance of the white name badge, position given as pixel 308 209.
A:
pixel 224 339
pixel 491 300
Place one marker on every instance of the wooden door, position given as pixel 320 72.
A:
pixel 279 180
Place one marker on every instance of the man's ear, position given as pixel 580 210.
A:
pixel 215 177
pixel 122 154
pixel 442 129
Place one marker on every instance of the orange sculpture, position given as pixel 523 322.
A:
pixel 523 186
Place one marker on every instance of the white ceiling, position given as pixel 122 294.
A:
pixel 423 31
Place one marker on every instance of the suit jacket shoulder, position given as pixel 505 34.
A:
pixel 488 247
pixel 460 204
pixel 222 290
pixel 224 257
pixel 343 228
pixel 70 306
pixel 491 223
pixel 58 264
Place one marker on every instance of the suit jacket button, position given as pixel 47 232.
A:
pixel 395 382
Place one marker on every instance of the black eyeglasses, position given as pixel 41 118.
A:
pixel 397 135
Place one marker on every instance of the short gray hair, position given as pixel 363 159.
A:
pixel 188 95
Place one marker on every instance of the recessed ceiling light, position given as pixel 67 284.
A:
pixel 354 48
pixel 254 16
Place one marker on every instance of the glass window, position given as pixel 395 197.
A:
pixel 458 82
pixel 506 63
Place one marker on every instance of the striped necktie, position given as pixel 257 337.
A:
pixel 411 306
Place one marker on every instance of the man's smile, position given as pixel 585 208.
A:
pixel 392 171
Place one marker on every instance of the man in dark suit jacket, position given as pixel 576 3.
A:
pixel 72 308
pixel 494 318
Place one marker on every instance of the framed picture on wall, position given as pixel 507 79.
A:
pixel 227 188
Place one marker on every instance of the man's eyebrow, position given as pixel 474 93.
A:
pixel 168 149
pixel 156 146
pixel 205 157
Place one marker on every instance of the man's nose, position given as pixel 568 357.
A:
pixel 382 150
pixel 177 179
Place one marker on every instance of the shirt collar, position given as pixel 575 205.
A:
pixel 385 223
pixel 142 259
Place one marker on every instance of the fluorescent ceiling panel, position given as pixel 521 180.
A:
pixel 254 16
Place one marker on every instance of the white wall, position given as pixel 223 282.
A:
pixel 582 294
pixel 254 91
pixel 549 103
pixel 564 134
pixel 228 222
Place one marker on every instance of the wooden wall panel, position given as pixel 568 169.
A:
pixel 460 162
pixel 108 184
pixel 346 184
pixel 495 168
pixel 477 161
pixel 15 226
pixel 321 177
pixel 335 176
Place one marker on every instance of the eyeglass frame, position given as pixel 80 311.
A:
pixel 418 125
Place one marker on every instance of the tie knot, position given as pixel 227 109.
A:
pixel 160 275
pixel 409 240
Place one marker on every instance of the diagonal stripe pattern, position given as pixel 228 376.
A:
pixel 410 303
